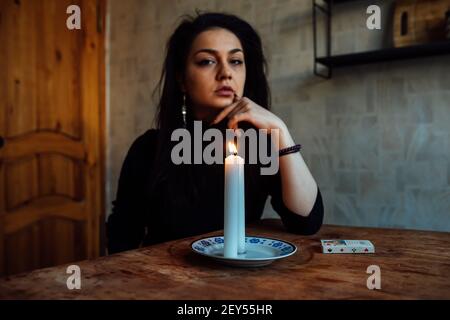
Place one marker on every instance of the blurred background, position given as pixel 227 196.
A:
pixel 374 127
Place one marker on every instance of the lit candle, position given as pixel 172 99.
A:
pixel 241 208
pixel 234 215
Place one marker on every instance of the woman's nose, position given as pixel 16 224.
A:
pixel 224 72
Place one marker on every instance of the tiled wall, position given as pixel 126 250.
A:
pixel 376 137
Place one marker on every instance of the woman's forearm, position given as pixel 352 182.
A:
pixel 299 189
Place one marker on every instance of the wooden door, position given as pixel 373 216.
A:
pixel 51 125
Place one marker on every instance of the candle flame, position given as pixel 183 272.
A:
pixel 232 148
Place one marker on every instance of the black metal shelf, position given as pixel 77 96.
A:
pixel 387 54
pixel 330 61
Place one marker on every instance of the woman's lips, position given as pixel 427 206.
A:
pixel 225 93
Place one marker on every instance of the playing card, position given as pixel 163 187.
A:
pixel 347 246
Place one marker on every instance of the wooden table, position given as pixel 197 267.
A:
pixel 414 265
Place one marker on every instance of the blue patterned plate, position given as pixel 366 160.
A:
pixel 260 251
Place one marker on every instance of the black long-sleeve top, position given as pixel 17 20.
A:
pixel 139 218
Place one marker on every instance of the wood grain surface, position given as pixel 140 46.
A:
pixel 414 265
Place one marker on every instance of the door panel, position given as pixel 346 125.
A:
pixel 51 119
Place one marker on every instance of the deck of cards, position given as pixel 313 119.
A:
pixel 347 246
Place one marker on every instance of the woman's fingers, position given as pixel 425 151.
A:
pixel 232 123
pixel 238 109
pixel 224 113
pixel 227 110
pixel 242 108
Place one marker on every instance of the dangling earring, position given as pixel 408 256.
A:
pixel 183 110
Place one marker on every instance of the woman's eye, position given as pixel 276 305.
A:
pixel 205 62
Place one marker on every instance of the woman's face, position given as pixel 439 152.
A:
pixel 216 59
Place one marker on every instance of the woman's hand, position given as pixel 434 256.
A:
pixel 244 109
pixel 299 190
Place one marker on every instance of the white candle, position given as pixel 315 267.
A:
pixel 241 208
pixel 234 206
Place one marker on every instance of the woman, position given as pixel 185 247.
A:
pixel 214 72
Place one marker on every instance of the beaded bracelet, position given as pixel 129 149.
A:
pixel 289 150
